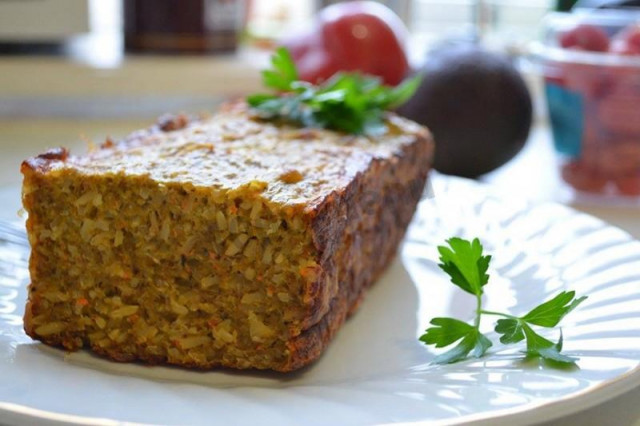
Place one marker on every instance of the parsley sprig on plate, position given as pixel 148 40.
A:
pixel 349 102
pixel 467 267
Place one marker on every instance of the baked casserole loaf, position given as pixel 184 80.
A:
pixel 224 241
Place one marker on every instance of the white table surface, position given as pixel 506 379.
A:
pixel 48 102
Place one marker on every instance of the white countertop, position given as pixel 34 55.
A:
pixel 49 102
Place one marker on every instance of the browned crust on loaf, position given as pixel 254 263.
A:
pixel 166 123
pixel 43 162
pixel 171 122
pixel 372 213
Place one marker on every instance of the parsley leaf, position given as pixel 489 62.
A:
pixel 400 94
pixel 538 346
pixel 283 73
pixel 551 312
pixel 448 331
pixel 445 332
pixel 467 267
pixel 511 330
pixel 465 264
pixel 514 330
pixel 349 102
pixel 547 314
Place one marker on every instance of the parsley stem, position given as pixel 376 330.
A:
pixel 499 314
pixel 479 310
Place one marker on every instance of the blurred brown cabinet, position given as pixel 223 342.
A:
pixel 188 26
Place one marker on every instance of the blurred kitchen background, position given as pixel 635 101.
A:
pixel 73 72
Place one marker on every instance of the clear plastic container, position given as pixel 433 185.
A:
pixel 591 67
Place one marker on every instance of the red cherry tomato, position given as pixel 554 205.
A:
pixel 620 112
pixel 583 179
pixel 585 37
pixel 353 36
pixel 627 42
pixel 629 185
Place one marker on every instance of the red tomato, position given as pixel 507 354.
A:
pixel 353 36
pixel 585 37
pixel 314 63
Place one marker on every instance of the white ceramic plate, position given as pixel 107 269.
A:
pixel 376 371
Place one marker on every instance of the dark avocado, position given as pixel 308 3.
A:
pixel 477 106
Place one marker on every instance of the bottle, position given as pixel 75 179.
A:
pixel 183 26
